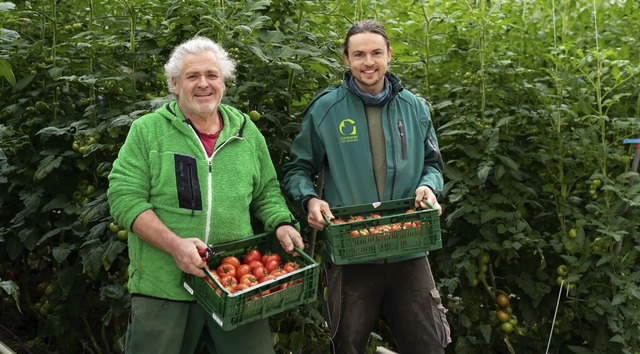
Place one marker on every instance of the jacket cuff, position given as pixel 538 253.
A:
pixel 305 202
pixel 290 223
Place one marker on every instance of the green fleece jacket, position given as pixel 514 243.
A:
pixel 163 166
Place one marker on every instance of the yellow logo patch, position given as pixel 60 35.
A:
pixel 348 131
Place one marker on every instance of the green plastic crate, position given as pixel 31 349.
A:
pixel 233 310
pixel 348 243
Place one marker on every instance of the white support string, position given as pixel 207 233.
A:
pixel 555 314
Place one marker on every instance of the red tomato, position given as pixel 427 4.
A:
pixel 417 224
pixel 355 233
pixel 241 286
pixel 355 218
pixel 234 261
pixel 253 255
pixel 286 285
pixel 226 269
pixel 267 257
pixel 254 264
pixel 375 216
pixel 229 281
pixel 278 272
pixel 290 266
pixel 271 265
pixel 337 221
pixel 266 278
pixel 385 228
pixel 259 272
pixel 242 270
pixel 249 280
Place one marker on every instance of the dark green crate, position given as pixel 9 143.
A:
pixel 344 248
pixel 233 310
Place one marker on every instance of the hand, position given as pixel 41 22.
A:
pixel 315 209
pixel 424 192
pixel 185 253
pixel 289 237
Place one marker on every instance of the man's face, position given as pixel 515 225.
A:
pixel 367 60
pixel 200 86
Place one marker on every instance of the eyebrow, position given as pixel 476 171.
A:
pixel 211 71
pixel 374 50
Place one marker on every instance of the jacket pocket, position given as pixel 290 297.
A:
pixel 187 182
pixel 439 312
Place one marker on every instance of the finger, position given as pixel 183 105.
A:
pixel 287 243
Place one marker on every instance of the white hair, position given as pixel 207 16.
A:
pixel 197 45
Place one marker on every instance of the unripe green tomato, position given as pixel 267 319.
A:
pixel 562 270
pixel 484 258
pixel 114 227
pixel 122 235
pixel 506 327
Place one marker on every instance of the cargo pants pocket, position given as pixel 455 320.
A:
pixel 439 312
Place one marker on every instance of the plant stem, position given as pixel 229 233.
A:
pixel 425 83
pixel 483 45
pixel 291 72
pixel 54 46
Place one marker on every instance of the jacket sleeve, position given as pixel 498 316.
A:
pixel 307 157
pixel 268 203
pixel 129 182
pixel 433 164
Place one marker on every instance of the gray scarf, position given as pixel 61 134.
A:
pixel 378 100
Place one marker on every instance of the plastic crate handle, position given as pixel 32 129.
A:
pixel 430 206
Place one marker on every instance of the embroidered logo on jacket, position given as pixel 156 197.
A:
pixel 348 131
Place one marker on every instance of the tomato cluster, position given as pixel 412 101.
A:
pixel 251 270
pixel 379 228
pixel 508 321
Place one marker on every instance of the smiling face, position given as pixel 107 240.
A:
pixel 200 86
pixel 367 58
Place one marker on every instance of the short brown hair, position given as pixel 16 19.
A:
pixel 365 26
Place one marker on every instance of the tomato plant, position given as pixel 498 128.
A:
pixel 530 102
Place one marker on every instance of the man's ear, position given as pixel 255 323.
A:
pixel 174 89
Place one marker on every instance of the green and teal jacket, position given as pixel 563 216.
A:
pixel 334 136
pixel 163 166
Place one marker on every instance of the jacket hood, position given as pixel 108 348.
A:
pixel 396 85
pixel 234 121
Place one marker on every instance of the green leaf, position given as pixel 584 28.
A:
pixel 618 299
pixel 606 258
pixel 47 165
pixel 258 52
pixel 111 253
pixel 62 251
pixel 617 339
pixel 486 332
pixel 579 350
pixel 6 72
pixel 11 288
